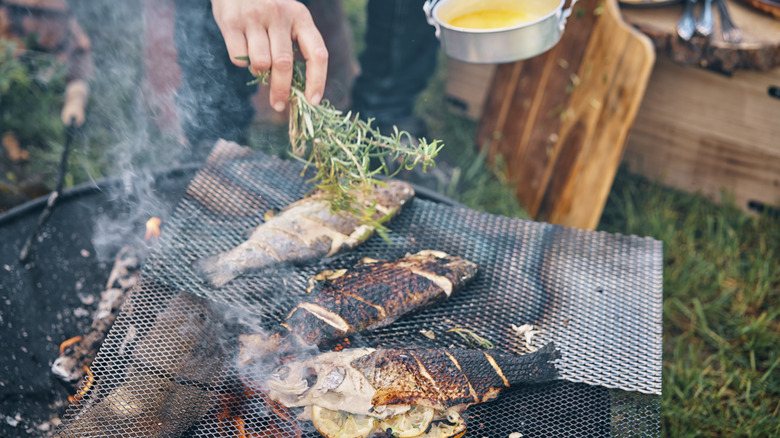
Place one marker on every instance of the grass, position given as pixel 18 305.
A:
pixel 721 316
pixel 721 312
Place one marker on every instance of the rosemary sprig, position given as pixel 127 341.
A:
pixel 471 337
pixel 348 153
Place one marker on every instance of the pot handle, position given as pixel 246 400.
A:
pixel 565 15
pixel 428 8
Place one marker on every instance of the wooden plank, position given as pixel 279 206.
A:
pixel 605 109
pixel 560 119
pixel 695 139
pixel 525 106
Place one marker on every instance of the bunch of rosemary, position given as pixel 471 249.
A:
pixel 348 153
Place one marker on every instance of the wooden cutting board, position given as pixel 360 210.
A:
pixel 560 120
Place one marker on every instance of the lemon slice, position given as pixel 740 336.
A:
pixel 453 427
pixel 410 424
pixel 340 424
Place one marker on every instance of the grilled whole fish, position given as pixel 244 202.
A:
pixel 385 383
pixel 370 295
pixel 304 230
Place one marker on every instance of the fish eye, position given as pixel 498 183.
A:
pixel 310 375
pixel 282 373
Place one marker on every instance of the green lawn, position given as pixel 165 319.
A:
pixel 721 363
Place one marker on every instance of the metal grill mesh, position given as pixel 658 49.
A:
pixel 169 359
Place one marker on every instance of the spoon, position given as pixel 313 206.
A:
pixel 705 23
pixel 685 26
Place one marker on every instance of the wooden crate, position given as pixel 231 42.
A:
pixel 467 86
pixel 701 131
pixel 696 130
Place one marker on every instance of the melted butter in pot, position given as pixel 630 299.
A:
pixel 499 16
pixel 489 19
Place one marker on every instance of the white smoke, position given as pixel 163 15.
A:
pixel 131 128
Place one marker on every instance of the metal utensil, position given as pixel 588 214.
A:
pixel 685 26
pixel 731 33
pixel 480 46
pixel 705 23
pixel 70 132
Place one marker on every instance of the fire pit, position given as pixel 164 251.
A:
pixel 52 297
pixel 168 366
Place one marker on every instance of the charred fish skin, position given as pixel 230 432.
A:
pixel 384 382
pixel 305 230
pixel 376 293
pixel 446 378
pixel 370 295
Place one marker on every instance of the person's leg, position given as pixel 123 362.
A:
pixel 213 101
pixel 399 58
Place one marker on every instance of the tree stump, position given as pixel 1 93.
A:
pixel 758 50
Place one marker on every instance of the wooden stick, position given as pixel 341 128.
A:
pixel 70 132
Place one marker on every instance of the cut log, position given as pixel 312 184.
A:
pixel 759 48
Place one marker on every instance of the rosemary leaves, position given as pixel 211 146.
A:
pixel 348 153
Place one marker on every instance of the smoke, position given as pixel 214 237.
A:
pixel 132 128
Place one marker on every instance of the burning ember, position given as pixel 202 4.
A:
pixel 153 228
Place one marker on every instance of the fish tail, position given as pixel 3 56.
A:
pixel 533 367
pixel 216 271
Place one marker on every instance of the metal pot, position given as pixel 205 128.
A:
pixel 489 46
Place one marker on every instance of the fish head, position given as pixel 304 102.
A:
pixel 292 380
pixel 327 380
pixel 393 193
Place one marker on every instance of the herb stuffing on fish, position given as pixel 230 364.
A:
pixel 305 230
pixel 402 392
pixel 372 294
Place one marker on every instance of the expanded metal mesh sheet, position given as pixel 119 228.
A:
pixel 168 367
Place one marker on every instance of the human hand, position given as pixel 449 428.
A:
pixel 264 30
pixel 75 103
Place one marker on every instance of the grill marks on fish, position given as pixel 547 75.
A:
pixel 305 230
pixel 445 378
pixel 328 317
pixel 489 381
pixel 375 294
pixel 379 382
pixel 372 294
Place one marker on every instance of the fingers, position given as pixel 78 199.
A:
pixel 281 64
pixel 258 49
pixel 236 45
pixel 228 18
pixel 316 54
pixel 264 30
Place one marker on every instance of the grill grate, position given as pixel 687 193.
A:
pixel 169 359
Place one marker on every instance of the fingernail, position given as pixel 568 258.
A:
pixel 315 100
pixel 279 106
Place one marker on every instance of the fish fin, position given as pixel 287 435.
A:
pixel 213 272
